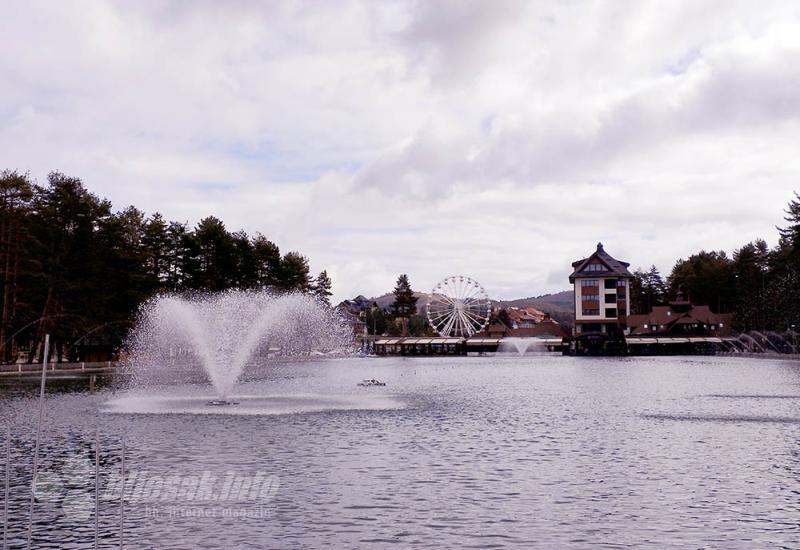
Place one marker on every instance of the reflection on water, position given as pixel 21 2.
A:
pixel 730 396
pixel 173 402
pixel 528 452
pixel 724 418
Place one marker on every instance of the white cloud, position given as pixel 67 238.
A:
pixel 500 140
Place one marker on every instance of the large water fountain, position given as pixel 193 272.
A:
pixel 181 344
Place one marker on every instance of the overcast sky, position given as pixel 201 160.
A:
pixel 500 140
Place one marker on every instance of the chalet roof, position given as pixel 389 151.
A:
pixel 615 268
pixel 668 317
pixel 637 320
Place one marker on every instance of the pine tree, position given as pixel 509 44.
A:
pixel 749 269
pixel 656 285
pixel 217 255
pixel 182 257
pixel 268 261
pixel 16 193
pixel 246 271
pixel 405 303
pixel 647 290
pixel 783 276
pixel 791 233
pixel 293 274
pixel 155 241
pixel 123 280
pixel 321 288
pixel 65 222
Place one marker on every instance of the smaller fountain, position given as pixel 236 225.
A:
pixel 765 342
pixel 779 342
pixel 521 345
pixel 750 344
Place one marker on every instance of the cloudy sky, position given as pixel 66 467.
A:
pixel 500 140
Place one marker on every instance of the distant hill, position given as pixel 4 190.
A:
pixel 559 306
pixel 561 300
pixel 385 301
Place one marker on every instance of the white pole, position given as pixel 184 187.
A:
pixel 96 486
pixel 38 437
pixel 5 500
pixel 122 494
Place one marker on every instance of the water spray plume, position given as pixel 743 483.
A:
pixel 221 332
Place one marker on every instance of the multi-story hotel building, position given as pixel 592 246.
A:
pixel 602 293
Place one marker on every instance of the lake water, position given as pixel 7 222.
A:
pixel 469 452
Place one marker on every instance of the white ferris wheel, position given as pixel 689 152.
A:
pixel 458 306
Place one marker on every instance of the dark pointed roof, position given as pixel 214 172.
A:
pixel 616 268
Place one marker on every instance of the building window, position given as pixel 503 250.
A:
pixel 611 312
pixel 609 284
pixel 621 282
pixel 590 297
pixel 611 298
pixel 590 283
pixel 595 267
pixel 587 311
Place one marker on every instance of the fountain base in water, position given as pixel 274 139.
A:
pixel 221 403
pixel 185 400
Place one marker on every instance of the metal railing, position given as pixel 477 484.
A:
pixel 20 368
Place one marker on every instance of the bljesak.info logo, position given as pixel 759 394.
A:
pixel 69 487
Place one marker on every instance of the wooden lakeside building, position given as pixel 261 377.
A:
pixel 604 325
pixel 449 346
